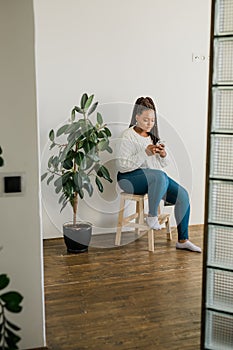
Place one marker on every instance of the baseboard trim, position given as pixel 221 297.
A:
pixel 111 233
pixel 44 348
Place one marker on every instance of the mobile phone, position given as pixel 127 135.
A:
pixel 161 141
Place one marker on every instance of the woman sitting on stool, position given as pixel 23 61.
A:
pixel 140 159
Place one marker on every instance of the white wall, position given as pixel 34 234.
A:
pixel 120 50
pixel 21 257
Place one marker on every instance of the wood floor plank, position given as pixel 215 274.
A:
pixel 123 298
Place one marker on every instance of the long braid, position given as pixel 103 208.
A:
pixel 142 104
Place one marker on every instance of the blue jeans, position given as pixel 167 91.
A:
pixel 159 186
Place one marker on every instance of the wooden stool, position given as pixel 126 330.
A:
pixel 139 217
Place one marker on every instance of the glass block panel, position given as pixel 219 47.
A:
pixel 221 164
pixel 223 17
pixel 219 331
pixel 219 291
pixel 220 246
pixel 223 61
pixel 220 202
pixel 222 107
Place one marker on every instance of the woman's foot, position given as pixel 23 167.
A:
pixel 153 222
pixel 188 246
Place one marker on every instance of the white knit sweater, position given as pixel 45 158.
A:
pixel 131 153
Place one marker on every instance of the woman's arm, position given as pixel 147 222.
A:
pixel 130 155
pixel 162 154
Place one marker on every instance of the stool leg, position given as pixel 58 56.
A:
pixel 151 242
pixel 168 227
pixel 119 223
pixel 140 212
pixel 138 218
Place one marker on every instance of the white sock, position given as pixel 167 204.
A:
pixel 188 246
pixel 153 222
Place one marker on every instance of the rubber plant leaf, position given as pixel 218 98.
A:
pixel 84 99
pixel 93 108
pixel 12 301
pixel 88 102
pixel 4 281
pixel 99 118
pixel 99 184
pixel 51 135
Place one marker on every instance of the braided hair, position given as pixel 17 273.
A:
pixel 142 104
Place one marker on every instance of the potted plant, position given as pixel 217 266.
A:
pixel 1 159
pixel 76 167
pixel 9 302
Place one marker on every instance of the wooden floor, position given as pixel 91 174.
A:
pixel 124 297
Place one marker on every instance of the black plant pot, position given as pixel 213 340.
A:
pixel 77 237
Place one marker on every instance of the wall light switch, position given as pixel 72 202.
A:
pixel 12 184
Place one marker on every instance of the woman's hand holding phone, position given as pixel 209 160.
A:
pixel 159 148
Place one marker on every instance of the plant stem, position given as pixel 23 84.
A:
pixel 3 335
pixel 53 172
pixel 75 206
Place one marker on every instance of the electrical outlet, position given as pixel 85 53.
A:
pixel 196 57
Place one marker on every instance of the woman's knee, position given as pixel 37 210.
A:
pixel 155 175
pixel 131 183
pixel 126 185
pixel 183 194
